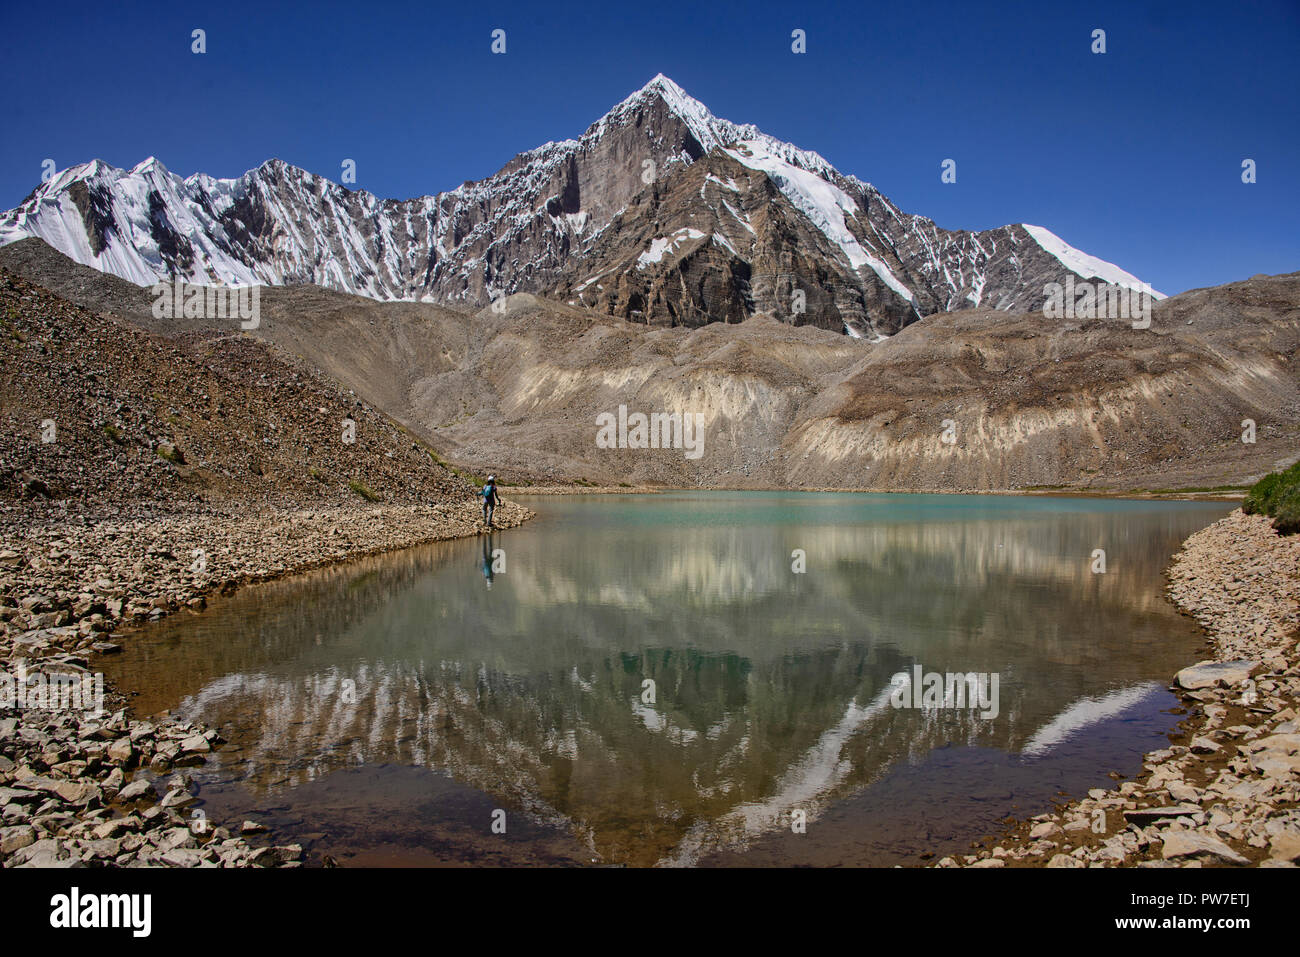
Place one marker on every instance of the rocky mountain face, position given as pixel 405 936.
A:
pixel 660 213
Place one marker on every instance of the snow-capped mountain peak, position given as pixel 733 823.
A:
pixel 711 132
pixel 708 130
pixel 660 212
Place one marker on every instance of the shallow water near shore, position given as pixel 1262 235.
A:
pixel 387 710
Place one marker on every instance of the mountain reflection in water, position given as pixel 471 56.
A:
pixel 518 665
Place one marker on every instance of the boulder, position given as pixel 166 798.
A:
pixel 1195 843
pixel 1208 674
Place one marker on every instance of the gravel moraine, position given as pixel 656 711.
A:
pixel 1226 792
pixel 79 789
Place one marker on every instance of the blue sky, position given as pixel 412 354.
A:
pixel 1133 155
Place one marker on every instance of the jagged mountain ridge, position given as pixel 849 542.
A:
pixel 660 212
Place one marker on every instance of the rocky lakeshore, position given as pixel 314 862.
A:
pixel 1226 792
pixel 139 474
pixel 108 789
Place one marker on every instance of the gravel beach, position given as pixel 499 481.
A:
pixel 84 789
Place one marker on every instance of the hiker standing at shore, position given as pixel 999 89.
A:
pixel 490 499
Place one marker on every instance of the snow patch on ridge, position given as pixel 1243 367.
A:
pixel 659 247
pixel 823 203
pixel 1086 266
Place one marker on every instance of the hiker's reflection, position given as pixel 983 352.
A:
pixel 487 559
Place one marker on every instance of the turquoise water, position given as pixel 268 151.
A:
pixel 649 680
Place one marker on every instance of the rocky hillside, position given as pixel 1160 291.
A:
pixel 95 410
pixel 660 213
pixel 1031 401
pixel 970 400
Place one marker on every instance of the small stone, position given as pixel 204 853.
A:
pixel 160 763
pixel 1285 846
pixel 266 857
pixel 17 796
pixel 109 829
pixel 135 790
pixel 180 857
pixel 1183 792
pixel 17 837
pixel 176 837
pixel 176 797
pixel 75 792
pixel 121 751
pixel 105 848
